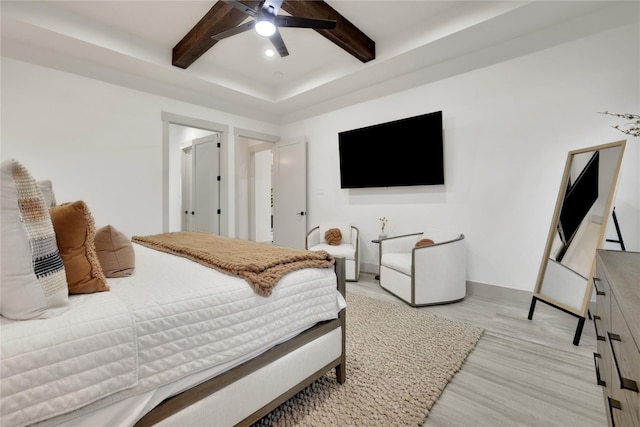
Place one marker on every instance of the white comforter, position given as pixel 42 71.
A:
pixel 52 366
pixel 169 320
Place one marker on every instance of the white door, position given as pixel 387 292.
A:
pixel 187 184
pixel 290 194
pixel 201 185
pixel 261 191
pixel 206 184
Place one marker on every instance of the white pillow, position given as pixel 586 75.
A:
pixel 345 230
pixel 47 191
pixel 33 281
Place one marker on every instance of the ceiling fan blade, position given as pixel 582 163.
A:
pixel 271 7
pixel 241 7
pixel 294 21
pixel 278 43
pixel 237 30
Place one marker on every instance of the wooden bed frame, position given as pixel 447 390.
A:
pixel 182 401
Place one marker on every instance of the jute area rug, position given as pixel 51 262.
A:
pixel 399 360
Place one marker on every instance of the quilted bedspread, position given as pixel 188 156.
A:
pixel 172 318
pixel 52 366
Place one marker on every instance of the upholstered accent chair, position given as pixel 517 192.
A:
pixel 348 247
pixel 426 274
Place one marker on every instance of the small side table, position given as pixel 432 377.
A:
pixel 377 241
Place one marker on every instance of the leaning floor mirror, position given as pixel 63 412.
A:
pixel 577 229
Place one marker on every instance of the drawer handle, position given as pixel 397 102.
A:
pixel 625 383
pixel 595 325
pixel 597 356
pixel 613 404
pixel 598 291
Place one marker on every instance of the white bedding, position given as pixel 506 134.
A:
pixel 52 366
pixel 184 320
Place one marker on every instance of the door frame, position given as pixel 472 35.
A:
pixel 196 194
pixel 186 184
pixel 280 217
pixel 176 119
pixel 243 150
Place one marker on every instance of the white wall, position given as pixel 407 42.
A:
pixel 507 131
pixel 98 142
pixel 507 127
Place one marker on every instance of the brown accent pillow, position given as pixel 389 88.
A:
pixel 115 252
pixel 75 233
pixel 333 236
pixel 424 242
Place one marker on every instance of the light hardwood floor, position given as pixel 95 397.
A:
pixel 522 372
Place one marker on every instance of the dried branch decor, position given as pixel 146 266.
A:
pixel 632 128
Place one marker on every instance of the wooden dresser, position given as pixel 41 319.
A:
pixel 617 323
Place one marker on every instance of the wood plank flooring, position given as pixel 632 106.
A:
pixel 522 372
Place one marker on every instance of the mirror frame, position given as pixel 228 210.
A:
pixel 581 313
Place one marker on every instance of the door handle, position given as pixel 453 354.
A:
pixel 301 213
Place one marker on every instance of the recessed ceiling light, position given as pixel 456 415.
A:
pixel 269 52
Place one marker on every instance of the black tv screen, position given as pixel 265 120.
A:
pixel 578 200
pixel 399 153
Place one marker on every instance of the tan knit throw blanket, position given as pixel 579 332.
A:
pixel 259 264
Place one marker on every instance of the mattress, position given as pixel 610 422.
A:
pixel 184 322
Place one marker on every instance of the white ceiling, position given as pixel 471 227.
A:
pixel 130 43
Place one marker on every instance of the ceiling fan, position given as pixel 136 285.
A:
pixel 267 21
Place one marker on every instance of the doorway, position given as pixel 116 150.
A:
pixel 288 176
pixel 253 185
pixel 261 194
pixel 201 185
pixel 176 130
pixel 254 188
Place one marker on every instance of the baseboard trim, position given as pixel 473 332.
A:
pixel 368 268
pixel 478 289
pixel 484 290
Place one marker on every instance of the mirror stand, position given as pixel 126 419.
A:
pixel 615 223
pixel 581 319
pixel 577 229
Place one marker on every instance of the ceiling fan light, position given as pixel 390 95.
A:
pixel 265 28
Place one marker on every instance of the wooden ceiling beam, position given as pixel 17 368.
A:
pixel 222 17
pixel 345 35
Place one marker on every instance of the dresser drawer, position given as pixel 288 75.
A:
pixel 602 360
pixel 617 317
pixel 602 324
pixel 625 369
pixel 602 288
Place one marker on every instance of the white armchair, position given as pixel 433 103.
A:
pixel 348 247
pixel 426 275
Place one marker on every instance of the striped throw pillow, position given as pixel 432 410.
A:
pixel 33 277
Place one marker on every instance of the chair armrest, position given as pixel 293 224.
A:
pixel 354 237
pixel 313 238
pixel 458 239
pixel 399 244
pixel 447 257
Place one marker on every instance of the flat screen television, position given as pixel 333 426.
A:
pixel 403 152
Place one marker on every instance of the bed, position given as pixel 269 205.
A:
pixel 175 343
